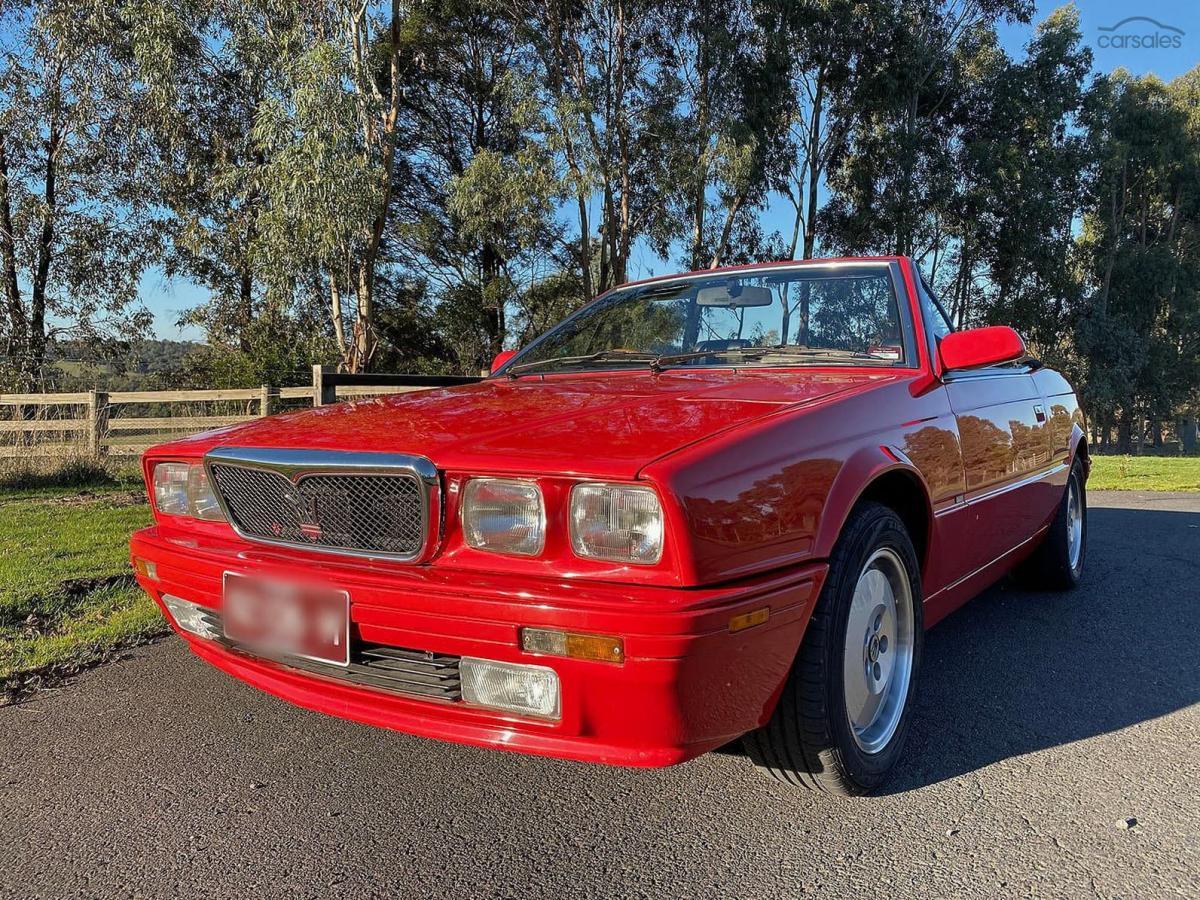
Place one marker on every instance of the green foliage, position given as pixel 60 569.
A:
pixel 1139 324
pixel 75 230
pixel 415 186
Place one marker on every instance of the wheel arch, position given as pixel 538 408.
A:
pixel 884 477
pixel 1079 450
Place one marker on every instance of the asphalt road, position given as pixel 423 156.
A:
pixel 1043 721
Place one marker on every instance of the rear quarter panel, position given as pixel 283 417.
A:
pixel 1065 425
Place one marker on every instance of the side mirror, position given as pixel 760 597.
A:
pixel 501 358
pixel 977 347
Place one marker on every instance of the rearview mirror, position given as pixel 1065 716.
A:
pixel 501 358
pixel 977 347
pixel 734 296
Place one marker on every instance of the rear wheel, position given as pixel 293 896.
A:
pixel 843 716
pixel 1057 563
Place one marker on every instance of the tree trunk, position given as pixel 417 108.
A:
pixel 1116 216
pixel 585 246
pixel 364 327
pixel 622 239
pixel 814 168
pixel 805 301
pixel 726 230
pixel 339 328
pixel 699 201
pixel 36 344
pixel 17 324
pixel 904 239
pixel 245 310
pixel 553 74
pixel 1125 431
pixel 494 304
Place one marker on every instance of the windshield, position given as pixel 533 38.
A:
pixel 807 316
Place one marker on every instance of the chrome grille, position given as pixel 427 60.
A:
pixel 325 501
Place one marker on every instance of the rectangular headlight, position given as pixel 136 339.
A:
pixel 503 515
pixel 618 522
pixel 526 690
pixel 202 502
pixel 183 489
pixel 171 488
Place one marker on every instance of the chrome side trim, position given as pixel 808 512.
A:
pixel 297 464
pixel 1024 482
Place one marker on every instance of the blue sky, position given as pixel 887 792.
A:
pixel 166 297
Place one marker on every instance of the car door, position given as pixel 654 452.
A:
pixel 1001 416
pixel 1001 420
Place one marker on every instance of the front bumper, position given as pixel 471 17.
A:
pixel 687 685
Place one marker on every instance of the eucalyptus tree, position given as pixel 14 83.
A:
pixel 725 77
pixel 598 77
pixel 1140 245
pixel 203 67
pixel 75 235
pixel 1018 154
pixel 892 175
pixel 330 134
pixel 476 219
pixel 824 41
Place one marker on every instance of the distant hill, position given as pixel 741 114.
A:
pixel 144 365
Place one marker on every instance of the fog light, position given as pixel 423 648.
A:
pixel 145 568
pixel 527 690
pixel 603 648
pixel 190 616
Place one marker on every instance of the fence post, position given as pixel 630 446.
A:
pixel 266 400
pixel 323 394
pixel 97 419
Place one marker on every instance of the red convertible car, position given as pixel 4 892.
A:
pixel 705 507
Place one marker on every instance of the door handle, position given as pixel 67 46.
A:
pixel 1039 413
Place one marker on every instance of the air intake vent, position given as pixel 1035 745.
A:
pixel 418 673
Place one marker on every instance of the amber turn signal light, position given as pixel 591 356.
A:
pixel 598 647
pixel 749 620
pixel 145 568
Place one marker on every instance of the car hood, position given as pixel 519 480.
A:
pixel 606 425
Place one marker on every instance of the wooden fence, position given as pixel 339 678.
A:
pixel 124 423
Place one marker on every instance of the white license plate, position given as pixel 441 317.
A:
pixel 280 619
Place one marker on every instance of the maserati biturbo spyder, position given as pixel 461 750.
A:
pixel 705 507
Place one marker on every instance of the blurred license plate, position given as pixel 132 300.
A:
pixel 280 619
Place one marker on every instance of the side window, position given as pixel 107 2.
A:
pixel 935 317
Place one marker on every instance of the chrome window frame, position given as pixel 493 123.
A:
pixel 295 465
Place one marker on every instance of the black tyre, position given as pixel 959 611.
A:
pixel 1057 563
pixel 842 719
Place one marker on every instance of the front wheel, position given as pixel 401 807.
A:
pixel 842 718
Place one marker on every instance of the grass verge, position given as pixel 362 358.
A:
pixel 67 595
pixel 38 473
pixel 1145 473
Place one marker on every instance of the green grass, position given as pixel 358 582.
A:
pixel 66 591
pixel 1145 473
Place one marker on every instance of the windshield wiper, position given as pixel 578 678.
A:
pixel 796 350
pixel 660 362
pixel 758 352
pixel 599 356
